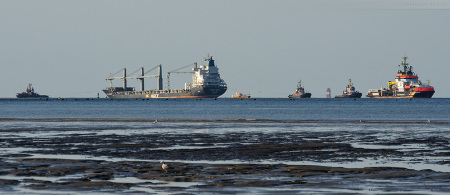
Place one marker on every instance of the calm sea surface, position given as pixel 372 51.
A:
pixel 272 108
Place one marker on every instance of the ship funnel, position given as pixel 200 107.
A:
pixel 211 62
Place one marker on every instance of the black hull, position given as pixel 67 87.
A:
pixel 423 94
pixel 354 95
pixel 197 92
pixel 305 95
pixel 19 95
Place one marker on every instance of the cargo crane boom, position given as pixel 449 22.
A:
pixel 177 72
pixel 140 77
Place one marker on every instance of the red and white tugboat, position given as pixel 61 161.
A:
pixel 406 85
pixel 300 92
pixel 350 92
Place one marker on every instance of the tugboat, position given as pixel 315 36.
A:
pixel 406 85
pixel 350 92
pixel 300 92
pixel 240 95
pixel 29 93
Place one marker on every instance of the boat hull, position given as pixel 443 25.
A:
pixel 305 95
pixel 354 95
pixel 240 96
pixel 25 95
pixel 423 92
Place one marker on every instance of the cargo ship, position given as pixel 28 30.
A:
pixel 300 92
pixel 29 93
pixel 206 83
pixel 350 92
pixel 406 85
pixel 240 95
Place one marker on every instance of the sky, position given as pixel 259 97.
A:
pixel 261 47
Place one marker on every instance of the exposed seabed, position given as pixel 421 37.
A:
pixel 244 156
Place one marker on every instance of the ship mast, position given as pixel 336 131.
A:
pixel 124 78
pixel 404 64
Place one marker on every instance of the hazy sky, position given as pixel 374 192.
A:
pixel 262 47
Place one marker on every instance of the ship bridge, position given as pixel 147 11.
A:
pixel 406 71
pixel 208 75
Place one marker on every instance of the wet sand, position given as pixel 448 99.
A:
pixel 106 176
pixel 74 161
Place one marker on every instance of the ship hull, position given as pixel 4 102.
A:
pixel 196 92
pixel 427 94
pixel 19 95
pixel 423 92
pixel 417 95
pixel 240 96
pixel 305 95
pixel 354 95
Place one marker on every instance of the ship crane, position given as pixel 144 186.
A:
pixel 140 77
pixel 177 72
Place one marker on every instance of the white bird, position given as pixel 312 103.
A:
pixel 429 121
pixel 155 121
pixel 164 166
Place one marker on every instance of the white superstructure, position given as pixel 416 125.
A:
pixel 207 75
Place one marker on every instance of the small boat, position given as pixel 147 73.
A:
pixel 350 92
pixel 240 95
pixel 29 93
pixel 300 92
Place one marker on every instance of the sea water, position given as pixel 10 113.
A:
pixel 436 109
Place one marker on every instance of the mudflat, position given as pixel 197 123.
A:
pixel 73 160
